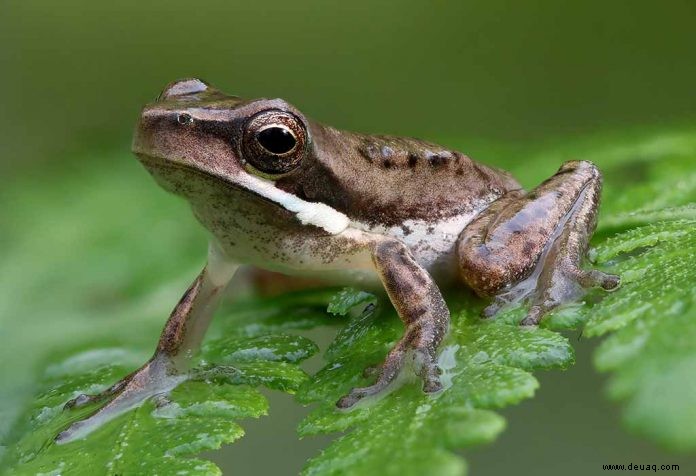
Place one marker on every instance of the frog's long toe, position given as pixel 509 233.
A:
pixel 533 317
pixel 358 393
pixel 388 371
pixel 428 370
pixel 595 278
pixel 86 399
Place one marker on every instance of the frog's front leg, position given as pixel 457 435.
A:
pixel 178 344
pixel 420 306
pixel 529 246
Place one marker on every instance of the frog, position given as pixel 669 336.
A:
pixel 281 192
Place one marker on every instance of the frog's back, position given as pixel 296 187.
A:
pixel 387 181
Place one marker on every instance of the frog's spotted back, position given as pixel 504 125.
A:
pixel 400 152
pixel 384 180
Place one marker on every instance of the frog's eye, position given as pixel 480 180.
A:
pixel 277 139
pixel 274 142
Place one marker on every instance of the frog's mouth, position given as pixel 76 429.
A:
pixel 175 177
pixel 156 162
pixel 179 177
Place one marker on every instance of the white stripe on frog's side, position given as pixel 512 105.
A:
pixel 309 213
pixel 432 244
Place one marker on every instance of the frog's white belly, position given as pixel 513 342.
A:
pixel 432 244
pixel 345 256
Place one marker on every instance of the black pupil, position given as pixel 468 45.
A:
pixel 276 140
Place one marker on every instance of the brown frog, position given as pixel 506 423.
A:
pixel 284 193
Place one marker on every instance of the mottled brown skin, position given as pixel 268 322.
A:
pixel 287 194
pixel 503 245
pixel 424 312
pixel 387 180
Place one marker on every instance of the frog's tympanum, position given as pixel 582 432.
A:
pixel 281 192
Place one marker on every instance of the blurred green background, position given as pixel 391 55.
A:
pixel 90 245
pixel 75 73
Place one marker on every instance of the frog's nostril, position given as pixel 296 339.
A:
pixel 183 87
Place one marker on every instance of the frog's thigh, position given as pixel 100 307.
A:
pixel 542 234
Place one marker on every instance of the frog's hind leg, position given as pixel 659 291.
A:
pixel 529 246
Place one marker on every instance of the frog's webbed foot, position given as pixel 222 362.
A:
pixel 422 308
pixel 529 247
pixel 156 377
pixel 424 361
pixel 386 374
pixel 556 281
pixel 562 283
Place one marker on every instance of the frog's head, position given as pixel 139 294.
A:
pixel 194 138
pixel 194 126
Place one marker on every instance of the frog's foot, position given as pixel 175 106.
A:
pixel 563 283
pixel 154 378
pixel 425 363
pixel 551 293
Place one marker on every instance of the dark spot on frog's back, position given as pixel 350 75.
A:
pixel 438 159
